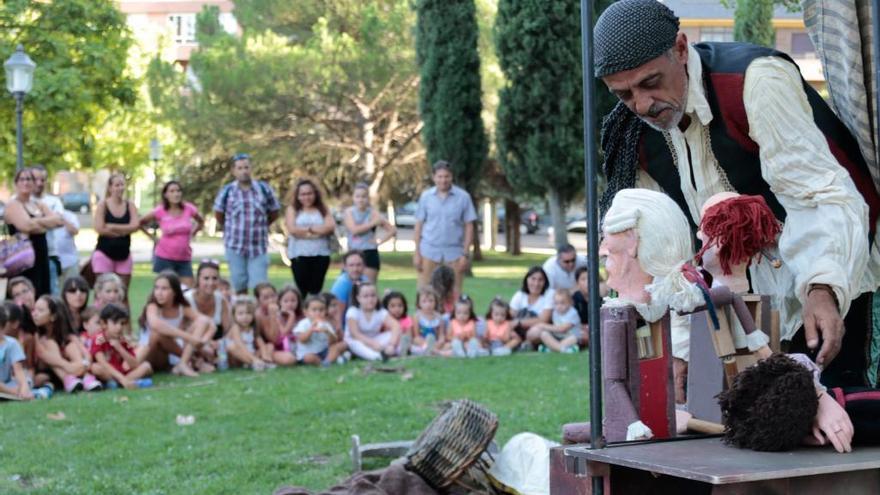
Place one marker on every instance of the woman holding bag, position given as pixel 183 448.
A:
pixel 27 215
pixel 309 225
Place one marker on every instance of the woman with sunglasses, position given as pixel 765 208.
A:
pixel 26 215
pixel 75 295
pixel 179 222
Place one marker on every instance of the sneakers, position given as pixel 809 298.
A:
pixel 572 349
pixel 72 384
pixel 501 351
pixel 543 348
pixel 144 382
pixel 44 392
pixel 342 359
pixel 475 350
pixel 405 344
pixel 430 343
pixel 526 347
pixel 458 349
pixel 90 383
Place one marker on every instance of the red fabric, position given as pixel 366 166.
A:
pixel 654 392
pixel 102 345
pixel 741 227
pixel 729 88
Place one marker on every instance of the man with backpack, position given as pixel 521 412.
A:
pixel 244 209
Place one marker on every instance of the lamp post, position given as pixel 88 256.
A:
pixel 155 156
pixel 19 80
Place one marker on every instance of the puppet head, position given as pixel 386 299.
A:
pixel 770 406
pixel 647 242
pixel 734 229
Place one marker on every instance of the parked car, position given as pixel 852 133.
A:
pixel 528 220
pixel 76 201
pixel 405 216
pixel 577 226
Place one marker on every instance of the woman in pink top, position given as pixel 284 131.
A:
pixel 179 222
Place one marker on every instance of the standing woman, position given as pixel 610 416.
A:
pixel 116 219
pixel 361 222
pixel 179 222
pixel 27 215
pixel 309 225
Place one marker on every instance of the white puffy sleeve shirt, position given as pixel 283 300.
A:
pixel 825 236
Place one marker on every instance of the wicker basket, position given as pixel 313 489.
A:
pixel 452 443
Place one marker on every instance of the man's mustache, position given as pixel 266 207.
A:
pixel 658 108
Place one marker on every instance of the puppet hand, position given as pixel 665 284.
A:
pixel 821 315
pixel 638 431
pixel 832 421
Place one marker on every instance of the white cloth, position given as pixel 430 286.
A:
pixel 558 277
pixel 363 351
pixel 824 239
pixel 54 204
pixel 318 342
pixel 65 245
pixel 524 464
pixel 520 300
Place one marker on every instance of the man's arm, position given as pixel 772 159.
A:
pixel 417 237
pixel 824 241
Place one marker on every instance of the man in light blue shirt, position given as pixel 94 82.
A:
pixel 444 227
pixel 352 273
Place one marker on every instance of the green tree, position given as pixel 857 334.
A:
pixel 539 129
pixel 753 19
pixel 449 92
pixel 81 87
pixel 323 87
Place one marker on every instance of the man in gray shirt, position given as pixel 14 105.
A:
pixel 444 227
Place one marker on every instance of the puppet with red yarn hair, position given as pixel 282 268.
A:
pixel 735 230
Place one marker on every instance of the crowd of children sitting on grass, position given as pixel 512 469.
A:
pixel 70 343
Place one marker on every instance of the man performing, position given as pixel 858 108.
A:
pixel 697 120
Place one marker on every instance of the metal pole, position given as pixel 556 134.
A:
pixel 597 439
pixel 875 30
pixel 155 182
pixel 19 109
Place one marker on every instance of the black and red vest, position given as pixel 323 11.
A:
pixel 724 69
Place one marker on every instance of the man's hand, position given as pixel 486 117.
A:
pixel 822 316
pixel 417 261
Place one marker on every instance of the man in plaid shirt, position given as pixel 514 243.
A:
pixel 245 208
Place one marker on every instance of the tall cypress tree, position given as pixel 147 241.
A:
pixel 539 130
pixel 449 94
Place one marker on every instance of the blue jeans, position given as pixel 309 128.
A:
pixel 245 272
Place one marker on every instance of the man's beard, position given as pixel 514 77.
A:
pixel 657 108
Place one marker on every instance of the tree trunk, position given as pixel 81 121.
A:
pixel 478 252
pixel 511 227
pixel 557 214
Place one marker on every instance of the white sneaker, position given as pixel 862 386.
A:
pixel 501 351
pixel 458 349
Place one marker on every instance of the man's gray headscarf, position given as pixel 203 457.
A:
pixel 630 33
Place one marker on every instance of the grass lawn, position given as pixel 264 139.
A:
pixel 254 432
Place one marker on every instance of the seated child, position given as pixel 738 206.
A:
pixel 91 326
pixel 370 332
pixel 463 330
pixel 580 299
pixel 501 338
pixel 243 341
pixel 315 335
pixel 225 289
pixel 113 358
pixel 429 333
pixel 395 303
pixel 109 289
pixel 562 334
pixel 13 380
pixel 267 319
pixel 289 313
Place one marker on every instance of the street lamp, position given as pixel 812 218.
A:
pixel 155 156
pixel 19 80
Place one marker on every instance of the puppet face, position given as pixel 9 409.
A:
pixel 621 262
